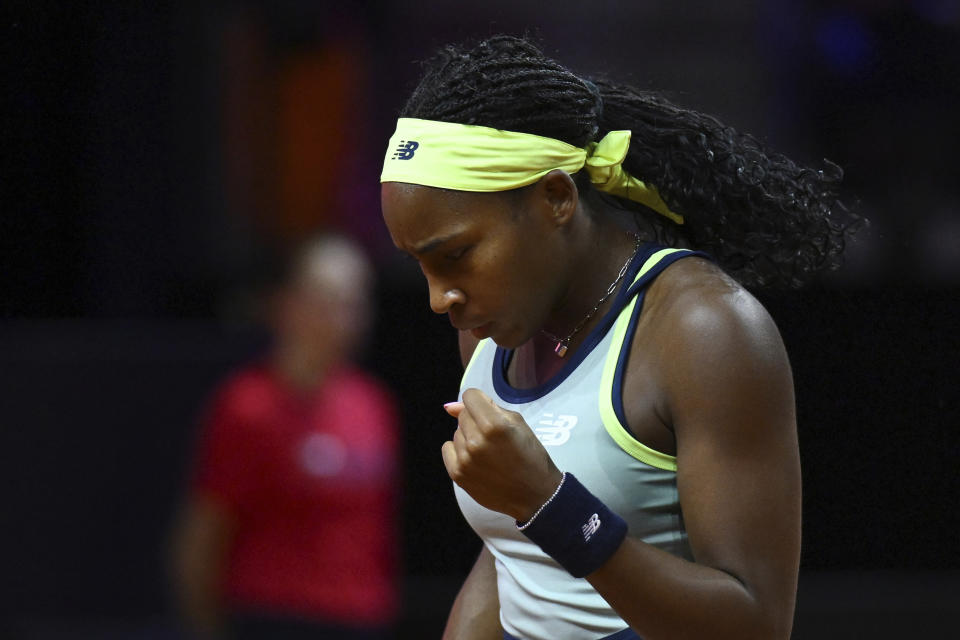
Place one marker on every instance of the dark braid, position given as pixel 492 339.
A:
pixel 506 83
pixel 763 217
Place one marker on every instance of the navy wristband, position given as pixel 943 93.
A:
pixel 575 528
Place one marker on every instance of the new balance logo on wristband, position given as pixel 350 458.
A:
pixel 591 527
pixel 554 528
pixel 406 149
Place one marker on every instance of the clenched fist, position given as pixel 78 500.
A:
pixel 496 458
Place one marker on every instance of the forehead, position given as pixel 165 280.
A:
pixel 418 216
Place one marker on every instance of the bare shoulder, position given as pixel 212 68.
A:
pixel 696 302
pixel 727 392
pixel 712 336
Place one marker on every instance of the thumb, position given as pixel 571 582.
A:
pixel 474 396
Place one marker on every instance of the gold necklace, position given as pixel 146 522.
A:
pixel 564 343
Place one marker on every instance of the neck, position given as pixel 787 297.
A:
pixel 298 369
pixel 602 265
pixel 599 261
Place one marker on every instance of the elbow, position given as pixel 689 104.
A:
pixel 760 627
pixel 770 622
pixel 773 630
pixel 781 626
pixel 764 618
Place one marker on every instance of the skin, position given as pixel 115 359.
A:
pixel 476 610
pixel 318 318
pixel 201 541
pixel 707 380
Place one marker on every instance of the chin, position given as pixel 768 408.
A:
pixel 510 341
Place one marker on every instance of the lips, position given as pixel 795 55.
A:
pixel 463 324
pixel 481 332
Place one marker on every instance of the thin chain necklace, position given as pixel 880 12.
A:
pixel 564 343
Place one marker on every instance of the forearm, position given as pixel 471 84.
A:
pixel 200 606
pixel 203 620
pixel 198 600
pixel 198 562
pixel 662 596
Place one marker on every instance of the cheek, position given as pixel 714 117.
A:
pixel 505 282
pixel 533 283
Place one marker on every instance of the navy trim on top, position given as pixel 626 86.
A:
pixel 624 634
pixel 641 288
pixel 503 356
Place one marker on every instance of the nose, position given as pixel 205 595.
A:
pixel 443 296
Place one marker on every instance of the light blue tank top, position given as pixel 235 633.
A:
pixel 578 416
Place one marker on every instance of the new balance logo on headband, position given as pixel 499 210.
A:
pixel 405 150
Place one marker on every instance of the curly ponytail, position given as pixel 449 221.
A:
pixel 767 220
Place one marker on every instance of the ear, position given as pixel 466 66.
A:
pixel 559 196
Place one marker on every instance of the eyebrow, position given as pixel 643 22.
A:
pixel 433 243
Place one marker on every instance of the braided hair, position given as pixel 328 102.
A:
pixel 764 218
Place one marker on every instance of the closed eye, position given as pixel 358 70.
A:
pixel 458 253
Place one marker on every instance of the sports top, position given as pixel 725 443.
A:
pixel 578 416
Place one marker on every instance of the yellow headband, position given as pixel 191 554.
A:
pixel 473 158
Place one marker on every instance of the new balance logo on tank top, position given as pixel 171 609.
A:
pixel 578 416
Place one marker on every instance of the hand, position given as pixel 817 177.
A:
pixel 497 459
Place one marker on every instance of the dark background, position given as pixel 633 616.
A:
pixel 155 157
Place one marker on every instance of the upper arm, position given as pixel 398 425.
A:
pixel 202 537
pixel 730 396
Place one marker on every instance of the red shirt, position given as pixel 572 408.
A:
pixel 311 480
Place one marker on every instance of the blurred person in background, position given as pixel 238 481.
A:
pixel 289 527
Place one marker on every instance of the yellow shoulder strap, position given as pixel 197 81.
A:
pixel 611 423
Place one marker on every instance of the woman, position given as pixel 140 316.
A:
pixel 288 525
pixel 626 443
